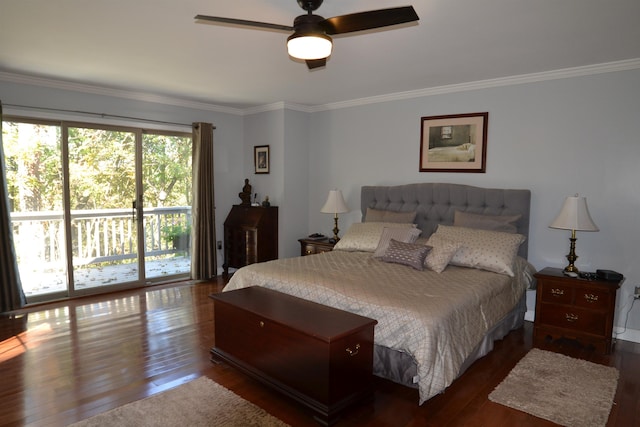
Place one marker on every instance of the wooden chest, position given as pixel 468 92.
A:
pixel 575 308
pixel 320 356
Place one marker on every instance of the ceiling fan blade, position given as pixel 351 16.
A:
pixel 316 63
pixel 244 22
pixel 369 20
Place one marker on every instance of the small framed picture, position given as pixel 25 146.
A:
pixel 454 143
pixel 261 158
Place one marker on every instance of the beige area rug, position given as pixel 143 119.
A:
pixel 201 402
pixel 558 388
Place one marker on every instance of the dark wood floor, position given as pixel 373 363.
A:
pixel 66 361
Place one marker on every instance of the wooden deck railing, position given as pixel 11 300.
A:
pixel 98 235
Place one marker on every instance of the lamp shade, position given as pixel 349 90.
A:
pixel 335 203
pixel 309 46
pixel 574 215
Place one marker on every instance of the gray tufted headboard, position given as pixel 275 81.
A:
pixel 435 203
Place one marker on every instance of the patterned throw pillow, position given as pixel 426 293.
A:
pixel 405 235
pixel 406 253
pixel 441 253
pixel 487 250
pixel 364 236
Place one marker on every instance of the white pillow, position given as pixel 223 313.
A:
pixel 483 249
pixel 404 235
pixel 364 236
pixel 442 251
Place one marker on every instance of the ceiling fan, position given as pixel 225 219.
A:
pixel 310 40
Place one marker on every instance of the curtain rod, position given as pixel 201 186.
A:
pixel 101 115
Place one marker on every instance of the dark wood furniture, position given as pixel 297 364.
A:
pixel 575 308
pixel 315 246
pixel 250 236
pixel 320 356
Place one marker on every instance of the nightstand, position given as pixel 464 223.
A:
pixel 315 246
pixel 575 308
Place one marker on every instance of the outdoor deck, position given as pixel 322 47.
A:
pixel 51 282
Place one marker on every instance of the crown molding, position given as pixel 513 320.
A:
pixel 564 73
pixel 630 64
pixel 119 93
pixel 281 105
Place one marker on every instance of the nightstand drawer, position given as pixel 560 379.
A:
pixel 573 318
pixel 308 249
pixel 593 299
pixel 313 246
pixel 556 293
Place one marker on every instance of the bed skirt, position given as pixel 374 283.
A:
pixel 401 368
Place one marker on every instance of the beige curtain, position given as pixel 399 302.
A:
pixel 203 242
pixel 11 294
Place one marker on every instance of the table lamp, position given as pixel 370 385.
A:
pixel 335 204
pixel 574 216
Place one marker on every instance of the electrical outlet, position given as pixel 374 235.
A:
pixel 219 244
pixel 636 295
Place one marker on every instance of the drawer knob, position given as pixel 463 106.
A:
pixel 309 252
pixel 591 297
pixel 557 292
pixel 571 317
pixel 353 352
pixel 261 324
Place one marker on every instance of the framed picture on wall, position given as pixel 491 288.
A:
pixel 454 143
pixel 261 158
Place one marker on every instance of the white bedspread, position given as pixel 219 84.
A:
pixel 436 318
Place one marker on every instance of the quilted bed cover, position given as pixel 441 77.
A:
pixel 438 319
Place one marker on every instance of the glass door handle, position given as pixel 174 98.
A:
pixel 136 206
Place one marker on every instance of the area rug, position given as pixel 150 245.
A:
pixel 200 402
pixel 558 388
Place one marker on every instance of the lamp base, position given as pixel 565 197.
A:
pixel 336 230
pixel 572 257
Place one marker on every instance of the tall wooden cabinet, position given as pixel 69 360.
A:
pixel 250 236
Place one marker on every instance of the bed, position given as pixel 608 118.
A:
pixel 441 267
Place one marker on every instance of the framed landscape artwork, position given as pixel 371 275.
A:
pixel 261 158
pixel 454 143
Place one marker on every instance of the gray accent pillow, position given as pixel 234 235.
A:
pixel 504 223
pixel 376 215
pixel 406 253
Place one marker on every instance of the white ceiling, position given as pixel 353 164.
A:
pixel 155 46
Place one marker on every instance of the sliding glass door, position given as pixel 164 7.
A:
pixel 166 177
pixel 33 157
pixel 97 207
pixel 103 220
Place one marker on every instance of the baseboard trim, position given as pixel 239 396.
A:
pixel 632 335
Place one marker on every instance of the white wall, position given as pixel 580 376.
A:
pixel 556 138
pixel 286 132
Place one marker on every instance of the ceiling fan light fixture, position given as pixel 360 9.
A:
pixel 309 46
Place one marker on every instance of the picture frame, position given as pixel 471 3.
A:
pixel 454 143
pixel 261 158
